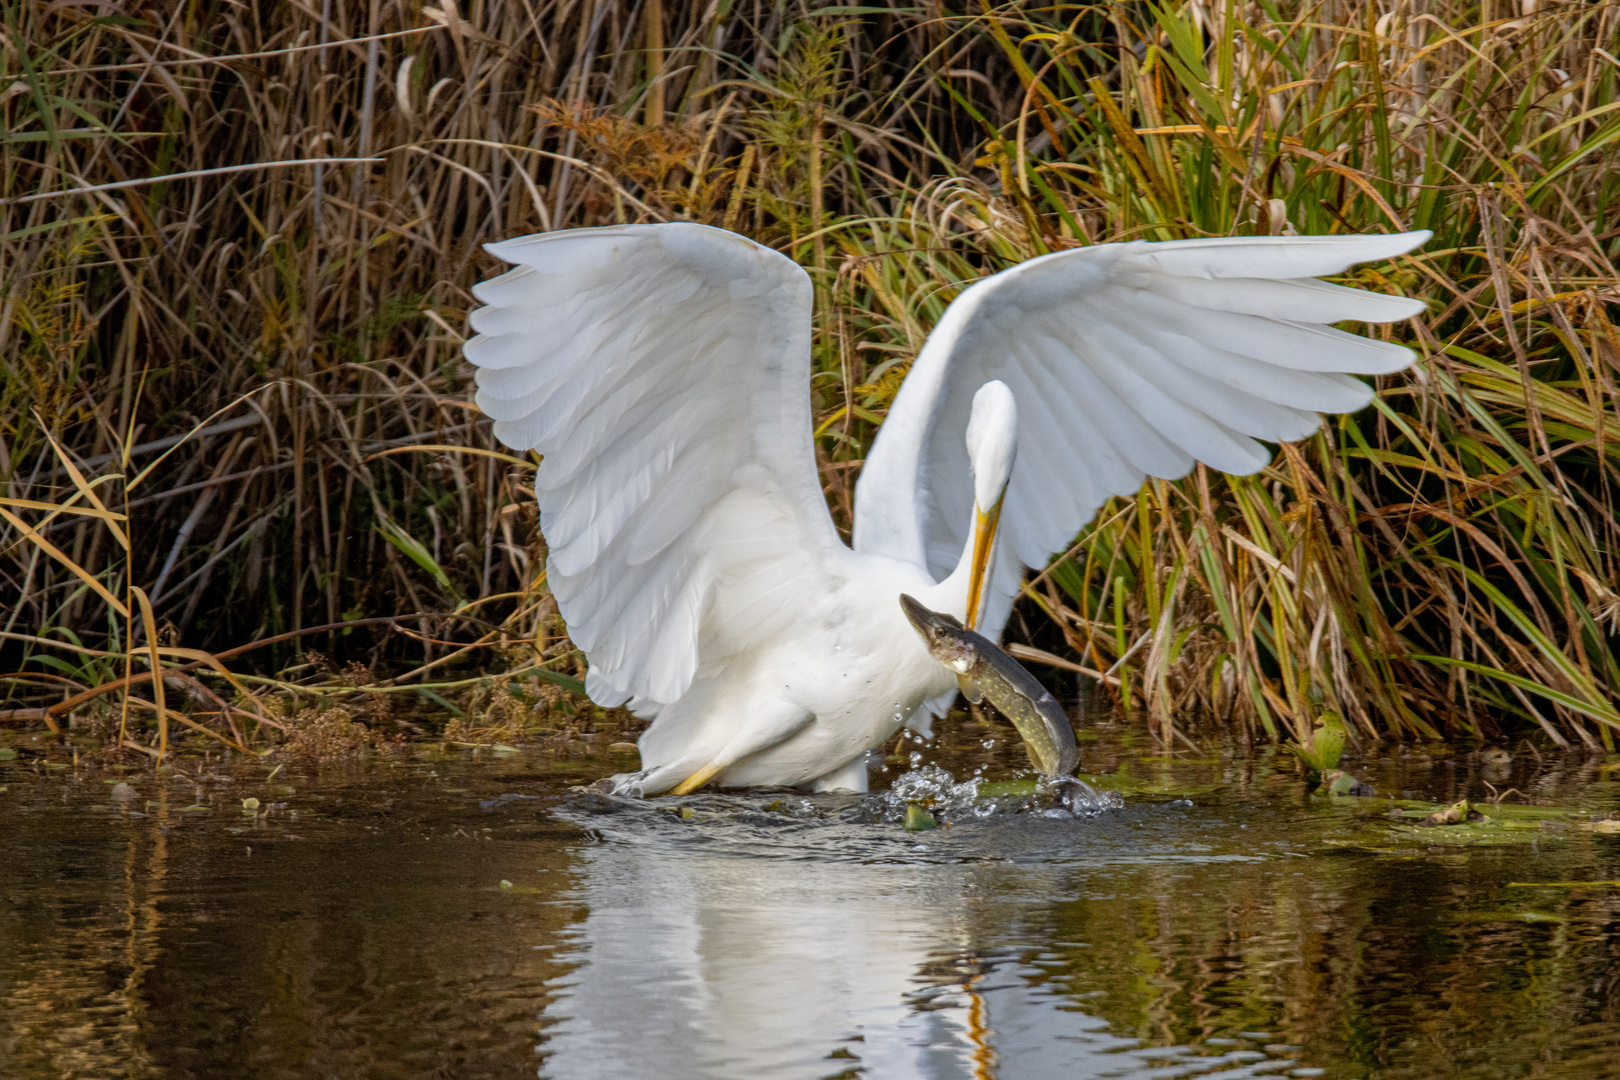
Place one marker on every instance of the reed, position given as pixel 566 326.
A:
pixel 238 242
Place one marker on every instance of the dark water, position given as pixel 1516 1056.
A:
pixel 440 915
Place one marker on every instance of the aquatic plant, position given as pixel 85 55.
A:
pixel 236 246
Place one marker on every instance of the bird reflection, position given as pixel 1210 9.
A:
pixel 718 964
pixel 720 967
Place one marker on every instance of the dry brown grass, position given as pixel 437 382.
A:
pixel 256 372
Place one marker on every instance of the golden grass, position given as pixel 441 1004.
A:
pixel 249 363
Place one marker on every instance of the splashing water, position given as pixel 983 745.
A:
pixel 938 791
pixel 933 787
pixel 1074 797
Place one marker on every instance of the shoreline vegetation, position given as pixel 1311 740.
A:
pixel 237 243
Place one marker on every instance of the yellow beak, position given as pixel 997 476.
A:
pixel 984 537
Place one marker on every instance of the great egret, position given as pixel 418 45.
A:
pixel 663 373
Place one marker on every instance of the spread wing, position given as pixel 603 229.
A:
pixel 1126 361
pixel 663 372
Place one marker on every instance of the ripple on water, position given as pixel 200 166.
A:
pixel 432 915
pixel 1024 821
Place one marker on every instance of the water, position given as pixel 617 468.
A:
pixel 440 914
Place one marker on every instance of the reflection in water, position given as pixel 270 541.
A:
pixel 702 964
pixel 694 964
pixel 762 948
pixel 416 920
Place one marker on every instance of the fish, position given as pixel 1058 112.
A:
pixel 984 671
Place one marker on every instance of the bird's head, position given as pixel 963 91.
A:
pixel 992 444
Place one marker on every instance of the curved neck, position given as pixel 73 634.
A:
pixel 951 595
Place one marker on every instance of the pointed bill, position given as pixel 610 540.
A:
pixel 984 540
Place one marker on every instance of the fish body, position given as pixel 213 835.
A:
pixel 985 672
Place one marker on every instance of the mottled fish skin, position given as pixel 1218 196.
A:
pixel 984 671
pixel 1023 700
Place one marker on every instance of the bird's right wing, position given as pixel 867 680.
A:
pixel 663 372
pixel 1126 361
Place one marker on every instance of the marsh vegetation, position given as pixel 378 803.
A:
pixel 236 244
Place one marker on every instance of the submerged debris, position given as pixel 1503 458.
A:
pixel 1337 782
pixel 1456 814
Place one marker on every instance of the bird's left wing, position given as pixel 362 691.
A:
pixel 1126 361
pixel 662 372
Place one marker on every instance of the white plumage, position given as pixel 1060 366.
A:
pixel 663 373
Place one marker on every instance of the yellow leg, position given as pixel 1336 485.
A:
pixel 696 780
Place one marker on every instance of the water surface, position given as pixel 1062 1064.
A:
pixel 441 914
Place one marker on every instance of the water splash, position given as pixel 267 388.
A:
pixel 939 792
pixel 935 788
pixel 1073 797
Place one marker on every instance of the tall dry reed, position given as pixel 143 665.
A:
pixel 238 241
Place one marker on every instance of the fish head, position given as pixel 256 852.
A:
pixel 947 642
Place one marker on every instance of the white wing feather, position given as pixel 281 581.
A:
pixel 1126 361
pixel 663 372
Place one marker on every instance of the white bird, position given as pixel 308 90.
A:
pixel 663 373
